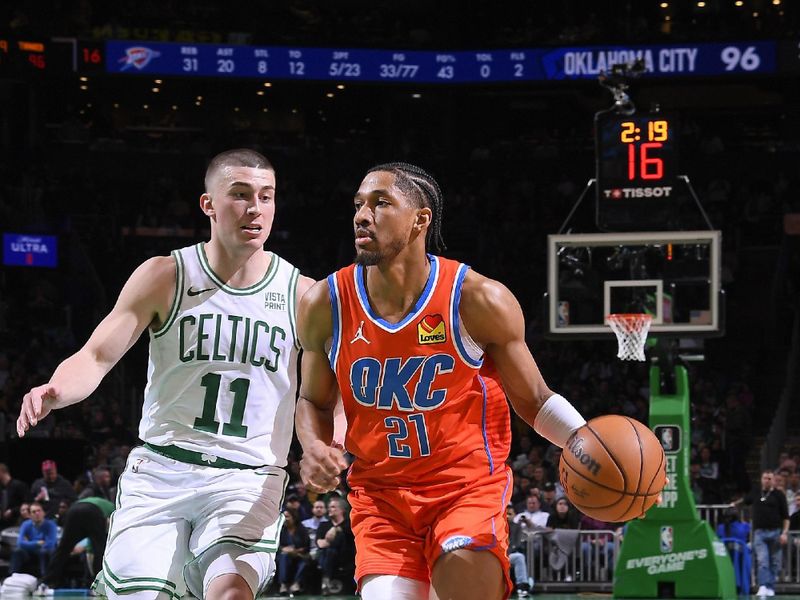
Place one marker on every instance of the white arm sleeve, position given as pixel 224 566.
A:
pixel 557 420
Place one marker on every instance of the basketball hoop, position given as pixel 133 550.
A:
pixel 631 330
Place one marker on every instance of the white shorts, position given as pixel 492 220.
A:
pixel 169 513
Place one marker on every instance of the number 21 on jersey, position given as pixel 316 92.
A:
pixel 399 433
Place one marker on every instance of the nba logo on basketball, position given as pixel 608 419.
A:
pixel 431 330
pixel 666 538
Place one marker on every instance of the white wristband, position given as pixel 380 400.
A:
pixel 557 420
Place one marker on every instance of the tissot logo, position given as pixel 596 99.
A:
pixel 663 191
pixel 431 330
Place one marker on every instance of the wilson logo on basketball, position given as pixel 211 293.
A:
pixel 431 330
pixel 575 446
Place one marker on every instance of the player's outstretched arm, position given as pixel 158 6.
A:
pixel 494 319
pixel 147 294
pixel 314 418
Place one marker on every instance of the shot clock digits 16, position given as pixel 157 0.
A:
pixel 635 151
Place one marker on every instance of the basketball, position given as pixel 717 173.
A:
pixel 613 468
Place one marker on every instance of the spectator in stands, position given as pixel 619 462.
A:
pixel 779 478
pixel 782 484
pixel 549 497
pixel 311 524
pixel 63 507
pixel 522 457
pixel 52 488
pixel 770 527
pixel 736 534
pixel 794 520
pixel 35 543
pixel 293 552
pixel 694 482
pixel 732 526
pixel 24 512
pixel 562 544
pixel 101 485
pixel 533 520
pixel 536 458
pixel 13 493
pixel 793 487
pixel 317 517
pixel 293 501
pixel 537 474
pixel 517 554
pixel 709 477
pixel 304 508
pixel 552 457
pixel 86 519
pixel 522 489
pixel 564 516
pixel 337 547
pixel 533 517
pixel 785 461
pixel 598 550
pixel 118 460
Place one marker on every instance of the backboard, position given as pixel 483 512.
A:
pixel 672 275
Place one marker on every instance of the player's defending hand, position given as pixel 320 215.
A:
pixel 36 405
pixel 320 467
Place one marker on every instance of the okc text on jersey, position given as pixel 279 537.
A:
pixel 391 383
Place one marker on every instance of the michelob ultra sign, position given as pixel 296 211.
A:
pixel 30 250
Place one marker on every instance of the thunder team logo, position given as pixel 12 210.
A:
pixel 431 330
pixel 138 57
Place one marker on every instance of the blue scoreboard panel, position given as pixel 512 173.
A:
pixel 478 66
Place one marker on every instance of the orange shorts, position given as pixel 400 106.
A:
pixel 402 531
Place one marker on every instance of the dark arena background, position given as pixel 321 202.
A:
pixel 571 118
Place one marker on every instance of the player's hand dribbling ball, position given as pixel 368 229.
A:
pixel 613 468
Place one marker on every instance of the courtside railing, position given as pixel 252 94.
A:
pixel 789 579
pixel 588 564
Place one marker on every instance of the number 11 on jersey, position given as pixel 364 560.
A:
pixel 399 433
pixel 206 422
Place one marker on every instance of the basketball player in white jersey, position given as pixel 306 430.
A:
pixel 199 504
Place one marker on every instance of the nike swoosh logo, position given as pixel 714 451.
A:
pixel 193 292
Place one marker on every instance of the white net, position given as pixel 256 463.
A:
pixel 631 330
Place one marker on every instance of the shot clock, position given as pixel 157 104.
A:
pixel 636 170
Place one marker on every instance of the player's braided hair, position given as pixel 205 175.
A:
pixel 240 157
pixel 420 185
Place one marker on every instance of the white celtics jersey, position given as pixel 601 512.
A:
pixel 222 375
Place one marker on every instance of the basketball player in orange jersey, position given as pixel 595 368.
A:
pixel 413 340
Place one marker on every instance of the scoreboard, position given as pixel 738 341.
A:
pixel 70 55
pixel 571 63
pixel 476 66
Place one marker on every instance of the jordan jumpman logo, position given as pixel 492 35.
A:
pixel 360 335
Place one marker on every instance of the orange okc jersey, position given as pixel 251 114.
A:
pixel 422 408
